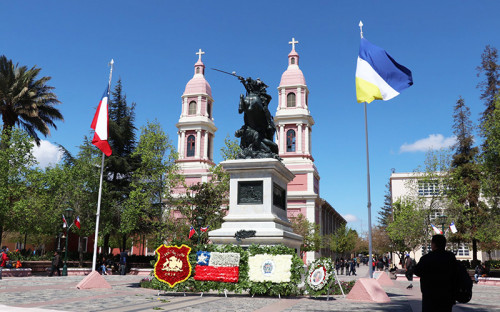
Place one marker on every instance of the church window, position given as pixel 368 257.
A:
pixel 209 109
pixel 192 108
pixel 292 61
pixel 197 70
pixel 290 100
pixel 209 150
pixel 290 141
pixel 190 146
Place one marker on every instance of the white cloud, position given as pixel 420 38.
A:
pixel 433 142
pixel 350 218
pixel 47 153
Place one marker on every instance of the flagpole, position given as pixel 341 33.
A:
pixel 94 257
pixel 369 205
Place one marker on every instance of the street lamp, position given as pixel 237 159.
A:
pixel 69 215
pixel 442 221
pixel 199 221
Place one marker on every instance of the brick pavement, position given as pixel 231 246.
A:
pixel 44 294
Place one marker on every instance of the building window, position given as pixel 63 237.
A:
pixel 190 146
pixel 292 61
pixel 428 249
pixel 209 109
pixel 463 250
pixel 209 150
pixel 428 188
pixel 192 108
pixel 197 70
pixel 290 141
pixel 290 100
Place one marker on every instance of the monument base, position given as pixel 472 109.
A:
pixel 257 202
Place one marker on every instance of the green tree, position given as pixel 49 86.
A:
pixel 343 241
pixel 385 212
pixel 26 101
pixel 120 165
pixel 489 87
pixel 465 179
pixel 310 232
pixel 152 182
pixel 408 228
pixel 16 163
pixel 230 149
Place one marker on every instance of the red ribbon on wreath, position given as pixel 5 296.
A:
pixel 173 265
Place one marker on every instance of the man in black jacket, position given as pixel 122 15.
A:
pixel 437 271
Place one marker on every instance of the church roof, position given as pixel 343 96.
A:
pixel 293 75
pixel 198 84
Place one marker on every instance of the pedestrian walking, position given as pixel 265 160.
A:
pixel 3 259
pixel 348 267
pixel 341 265
pixel 123 262
pixel 437 271
pixel 337 266
pixel 353 267
pixel 56 260
pixel 410 266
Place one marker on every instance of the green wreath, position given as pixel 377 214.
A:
pixel 319 276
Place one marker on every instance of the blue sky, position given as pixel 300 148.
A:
pixel 154 43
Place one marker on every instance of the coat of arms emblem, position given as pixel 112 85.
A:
pixel 173 265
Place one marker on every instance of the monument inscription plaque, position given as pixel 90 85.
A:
pixel 279 196
pixel 250 192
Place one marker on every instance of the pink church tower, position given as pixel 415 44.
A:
pixel 196 127
pixel 294 121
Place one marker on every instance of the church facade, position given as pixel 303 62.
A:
pixel 293 120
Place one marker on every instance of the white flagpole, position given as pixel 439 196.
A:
pixel 369 205
pixel 94 257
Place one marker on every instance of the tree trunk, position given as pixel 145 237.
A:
pixel 1 233
pixel 124 242
pixel 105 247
pixel 474 249
pixel 25 239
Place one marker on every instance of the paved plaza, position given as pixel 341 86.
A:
pixel 43 294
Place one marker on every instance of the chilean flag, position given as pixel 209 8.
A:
pixel 77 222
pixel 204 229
pixel 100 125
pixel 453 228
pixel 191 232
pixel 65 224
pixel 436 230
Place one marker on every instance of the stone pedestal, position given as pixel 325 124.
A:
pixel 257 202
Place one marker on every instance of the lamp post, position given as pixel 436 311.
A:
pixel 69 215
pixel 199 221
pixel 442 221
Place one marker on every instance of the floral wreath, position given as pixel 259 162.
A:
pixel 319 275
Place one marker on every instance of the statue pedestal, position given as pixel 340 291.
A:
pixel 257 202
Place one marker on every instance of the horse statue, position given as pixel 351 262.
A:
pixel 258 131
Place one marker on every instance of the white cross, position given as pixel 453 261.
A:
pixel 293 42
pixel 200 53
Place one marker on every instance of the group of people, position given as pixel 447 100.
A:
pixel 349 265
pixel 102 266
pixel 381 263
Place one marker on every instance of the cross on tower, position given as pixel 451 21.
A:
pixel 293 42
pixel 200 53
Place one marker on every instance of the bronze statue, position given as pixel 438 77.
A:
pixel 258 131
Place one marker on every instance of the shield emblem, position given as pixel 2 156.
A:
pixel 173 265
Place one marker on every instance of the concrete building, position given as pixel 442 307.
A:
pixel 413 185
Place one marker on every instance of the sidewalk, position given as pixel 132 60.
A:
pixel 44 294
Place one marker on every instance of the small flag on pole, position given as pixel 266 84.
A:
pixel 65 224
pixel 77 222
pixel 204 229
pixel 100 125
pixel 191 232
pixel 453 228
pixel 378 75
pixel 436 230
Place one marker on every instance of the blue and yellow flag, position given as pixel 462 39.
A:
pixel 378 75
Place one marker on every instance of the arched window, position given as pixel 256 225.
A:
pixel 292 61
pixel 209 109
pixel 290 141
pixel 191 141
pixel 197 70
pixel 290 100
pixel 209 148
pixel 192 108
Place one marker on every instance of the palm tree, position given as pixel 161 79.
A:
pixel 26 101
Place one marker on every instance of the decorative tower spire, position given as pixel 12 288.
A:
pixel 293 57
pixel 199 67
